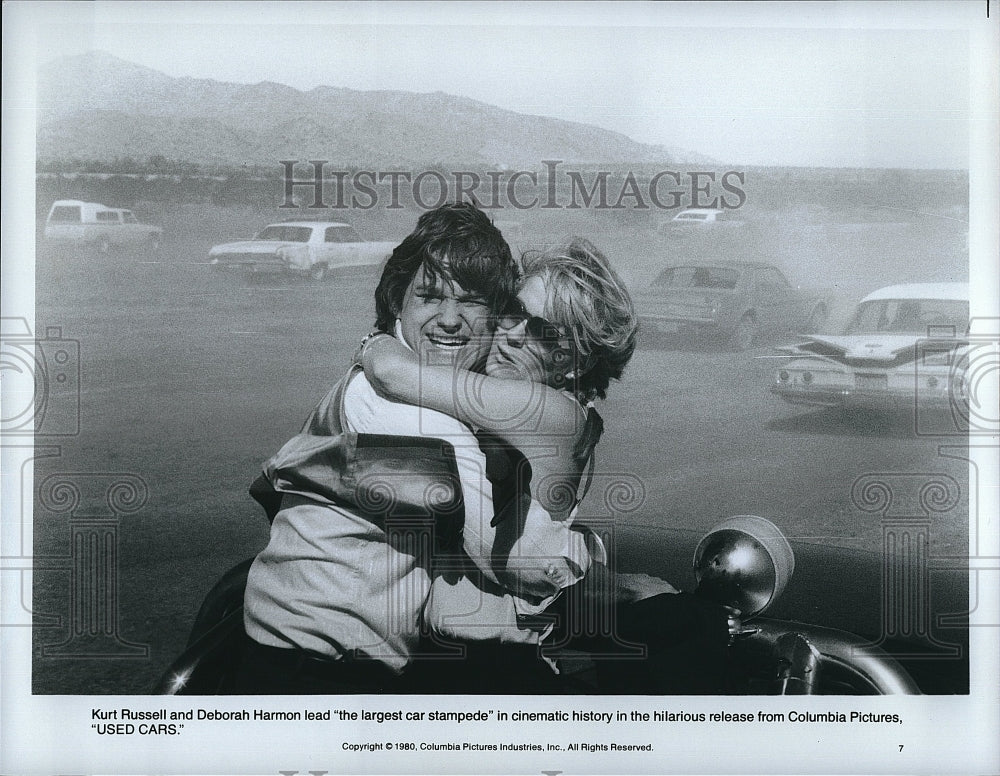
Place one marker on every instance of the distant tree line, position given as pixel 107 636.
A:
pixel 124 181
pixel 153 165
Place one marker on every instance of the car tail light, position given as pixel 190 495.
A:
pixel 807 377
pixel 932 382
pixel 783 376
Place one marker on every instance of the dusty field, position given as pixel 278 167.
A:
pixel 190 378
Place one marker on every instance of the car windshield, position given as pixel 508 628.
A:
pixel 341 234
pixel 909 316
pixel 698 277
pixel 282 233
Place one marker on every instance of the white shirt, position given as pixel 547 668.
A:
pixel 329 579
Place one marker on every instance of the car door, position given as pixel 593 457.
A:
pixel 331 249
pixel 109 226
pixel 130 228
pixel 348 244
pixel 776 299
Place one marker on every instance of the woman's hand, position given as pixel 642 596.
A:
pixel 605 587
pixel 370 348
pixel 389 365
pixel 635 587
pixel 356 358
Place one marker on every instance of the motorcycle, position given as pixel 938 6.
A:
pixel 744 563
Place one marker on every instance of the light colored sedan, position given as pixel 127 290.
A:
pixel 905 347
pixel 306 247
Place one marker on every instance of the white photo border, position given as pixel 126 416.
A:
pixel 949 734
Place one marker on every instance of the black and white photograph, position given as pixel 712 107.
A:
pixel 571 387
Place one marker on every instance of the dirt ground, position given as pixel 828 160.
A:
pixel 190 378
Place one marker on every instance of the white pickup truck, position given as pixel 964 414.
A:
pixel 308 247
pixel 72 222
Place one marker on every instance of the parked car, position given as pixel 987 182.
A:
pixel 731 299
pixel 72 222
pixel 682 223
pixel 307 247
pixel 904 347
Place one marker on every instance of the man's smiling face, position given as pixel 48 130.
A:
pixel 442 316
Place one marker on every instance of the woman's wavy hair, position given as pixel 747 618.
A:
pixel 584 294
pixel 457 242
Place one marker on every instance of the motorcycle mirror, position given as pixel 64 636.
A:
pixel 744 562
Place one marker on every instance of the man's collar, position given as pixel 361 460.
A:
pixel 398 330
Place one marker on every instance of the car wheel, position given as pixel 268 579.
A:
pixel 744 334
pixel 318 272
pixel 816 320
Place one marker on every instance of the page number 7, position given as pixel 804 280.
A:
pixel 900 747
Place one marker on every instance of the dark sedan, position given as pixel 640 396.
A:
pixel 734 300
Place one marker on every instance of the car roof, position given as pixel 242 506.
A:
pixel 80 203
pixel 727 263
pixel 309 223
pixel 921 291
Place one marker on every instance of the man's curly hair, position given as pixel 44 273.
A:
pixel 456 242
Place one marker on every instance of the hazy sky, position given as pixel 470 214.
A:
pixel 800 84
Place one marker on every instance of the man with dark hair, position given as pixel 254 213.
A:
pixel 333 604
pixel 457 243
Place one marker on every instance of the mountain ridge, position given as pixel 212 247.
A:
pixel 98 106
